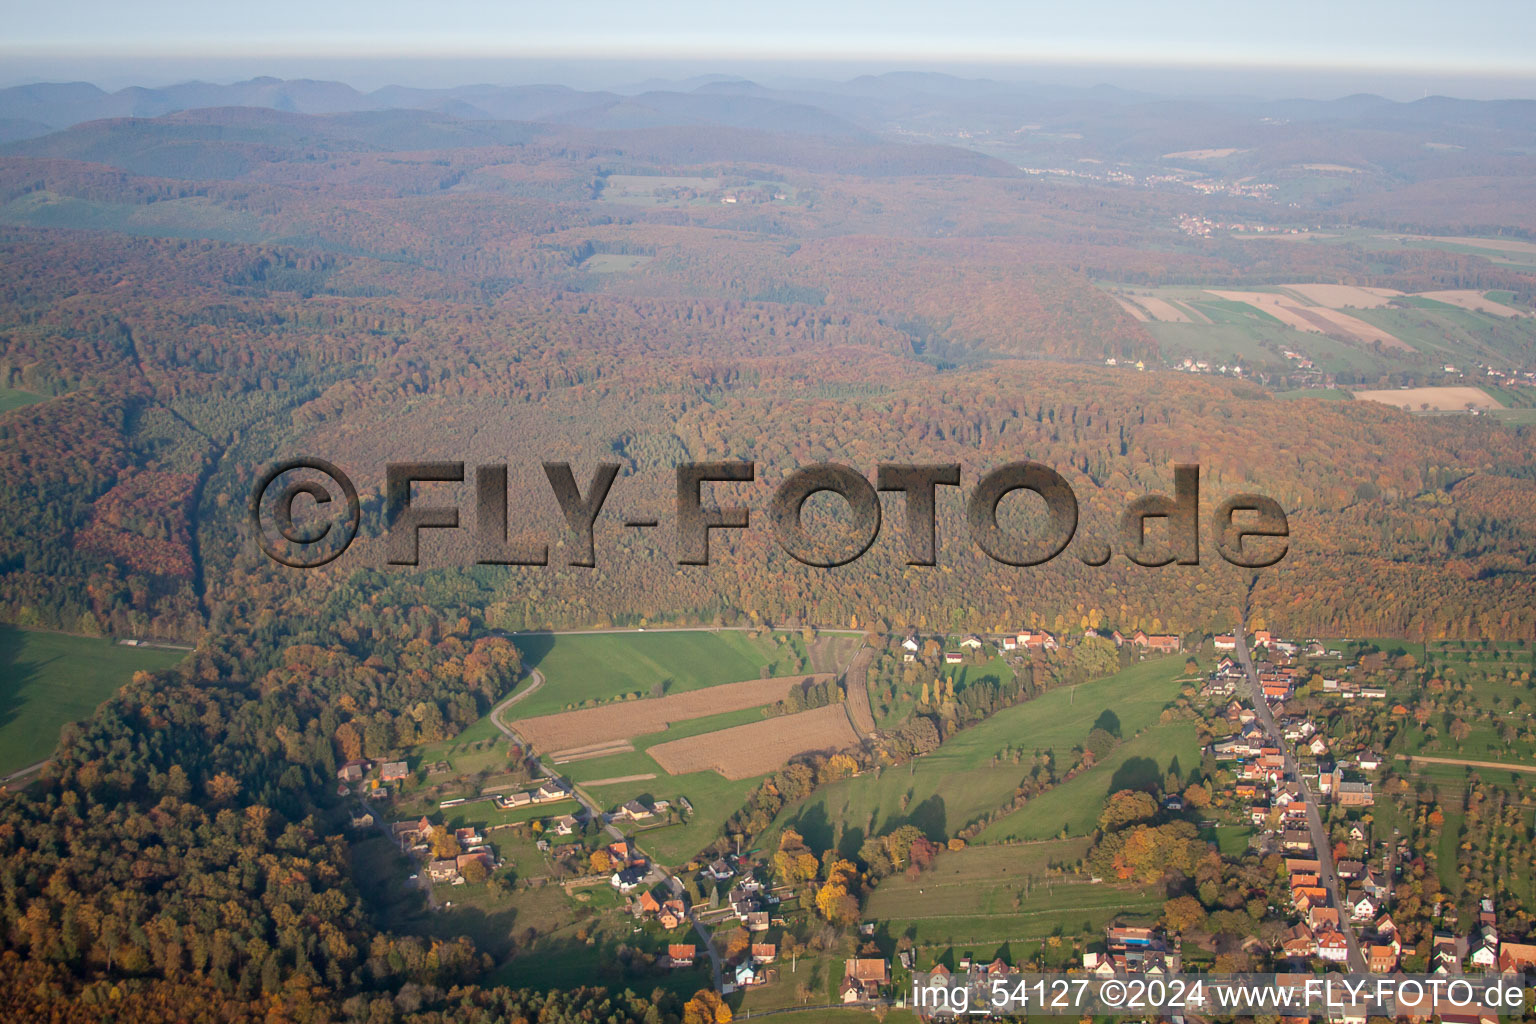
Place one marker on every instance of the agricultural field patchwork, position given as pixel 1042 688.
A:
pixel 590 731
pixel 1357 329
pixel 746 751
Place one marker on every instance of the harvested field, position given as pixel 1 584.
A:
pixel 1163 310
pixel 1352 328
pixel 1279 306
pixel 745 751
pixel 592 750
pixel 1468 299
pixel 590 727
pixel 1133 309
pixel 1443 399
pixel 1313 319
pixel 1342 296
pixel 1166 311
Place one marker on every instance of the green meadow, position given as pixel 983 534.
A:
pixel 50 679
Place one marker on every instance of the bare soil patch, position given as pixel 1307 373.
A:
pixel 1467 298
pixel 745 751
pixel 1443 399
pixel 589 727
pixel 1345 296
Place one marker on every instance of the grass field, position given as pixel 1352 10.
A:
pixel 943 791
pixel 1327 394
pixel 50 679
pixel 15 398
pixel 602 666
pixel 984 896
pixel 1445 852
pixel 1074 805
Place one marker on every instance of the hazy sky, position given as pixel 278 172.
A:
pixel 1489 37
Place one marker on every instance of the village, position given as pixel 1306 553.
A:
pixel 1299 795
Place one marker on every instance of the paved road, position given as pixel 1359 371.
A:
pixel 673 882
pixel 586 801
pixel 858 698
pixel 30 769
pixel 1320 843
pixel 423 879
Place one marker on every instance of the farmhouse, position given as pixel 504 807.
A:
pixel 634 810
pixel 1226 643
pixel 482 856
pixel 514 800
pixel 1036 639
pixel 354 770
pixel 672 914
pixel 552 789
pixel 1163 644
pixel 394 771
pixel 1299 942
pixel 863 979
pixel 1354 794
pixel 443 870
pixel 409 833
pixel 679 955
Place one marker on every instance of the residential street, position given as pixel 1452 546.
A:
pixel 1320 843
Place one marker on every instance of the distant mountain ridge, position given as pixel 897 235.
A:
pixel 811 107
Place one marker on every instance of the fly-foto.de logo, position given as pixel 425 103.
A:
pixel 306 512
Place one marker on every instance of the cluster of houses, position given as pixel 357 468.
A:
pixel 415 839
pixel 551 790
pixel 630 866
pixel 1483 950
pixel 1260 765
pixel 1133 950
pixel 668 911
pixel 1319 933
pixel 752 905
pixel 1027 640
pixel 755 966
pixel 357 771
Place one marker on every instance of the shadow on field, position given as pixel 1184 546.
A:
pixel 534 647
pixel 16 675
pixel 1137 773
